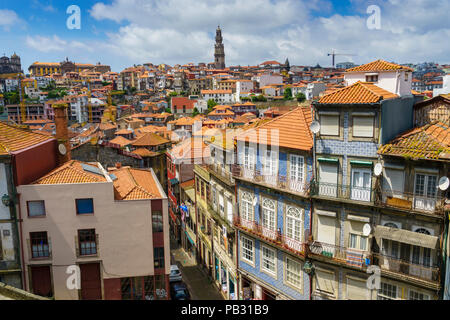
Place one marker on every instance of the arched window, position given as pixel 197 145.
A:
pixel 268 214
pixel 246 206
pixel 294 223
pixel 391 225
pixel 424 231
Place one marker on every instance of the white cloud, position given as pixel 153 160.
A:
pixel 8 18
pixel 55 43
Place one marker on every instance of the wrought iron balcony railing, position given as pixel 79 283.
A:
pixel 277 238
pixel 222 172
pixel 411 202
pixel 271 180
pixel 423 272
pixel 334 190
pixel 348 256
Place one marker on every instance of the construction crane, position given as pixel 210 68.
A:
pixel 334 54
pixel 19 77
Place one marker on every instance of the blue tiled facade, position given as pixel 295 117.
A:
pixel 282 199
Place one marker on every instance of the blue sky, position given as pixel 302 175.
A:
pixel 127 32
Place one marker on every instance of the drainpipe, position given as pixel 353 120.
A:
pixel 22 244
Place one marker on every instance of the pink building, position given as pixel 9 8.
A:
pixel 110 228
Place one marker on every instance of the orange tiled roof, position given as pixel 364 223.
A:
pixel 192 148
pixel 431 141
pixel 378 65
pixel 292 129
pixel 15 139
pixel 123 131
pixel 72 172
pixel 134 184
pixel 121 141
pixel 150 139
pixel 143 152
pixel 359 92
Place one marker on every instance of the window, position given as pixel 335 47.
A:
pixel 87 242
pixel 270 163
pixel 356 289
pixel 297 164
pixel 247 250
pixel 214 196
pixel 414 295
pixel 85 206
pixel 329 125
pixel 158 258
pixel 221 204
pixel 325 282
pixel 36 208
pixel 393 182
pixel 294 224
pixel 157 221
pixel 268 260
pixel 246 206
pixel 249 158
pixel 425 192
pixel 356 238
pixel 268 214
pixel 387 292
pixel 39 245
pixel 363 126
pixel 293 273
pixel 372 78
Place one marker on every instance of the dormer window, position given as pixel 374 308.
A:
pixel 372 78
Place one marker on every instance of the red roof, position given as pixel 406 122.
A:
pixel 179 102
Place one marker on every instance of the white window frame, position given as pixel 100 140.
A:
pixel 252 250
pixel 295 167
pixel 273 262
pixel 266 220
pixel 338 125
pixel 297 219
pixel 298 287
pixel 387 297
pixel 247 208
pixel 428 297
pixel 353 126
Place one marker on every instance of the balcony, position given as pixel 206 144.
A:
pixel 407 268
pixel 268 235
pixel 411 202
pixel 351 257
pixel 278 182
pixel 333 190
pixel 220 172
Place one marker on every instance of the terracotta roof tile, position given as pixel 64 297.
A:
pixel 431 141
pixel 150 139
pixel 378 65
pixel 134 184
pixel 358 93
pixel 15 139
pixel 121 141
pixel 292 129
pixel 72 172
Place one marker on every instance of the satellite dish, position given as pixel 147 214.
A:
pixel 366 230
pixel 444 183
pixel 314 127
pixel 62 149
pixel 378 169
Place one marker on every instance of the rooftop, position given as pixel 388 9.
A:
pixel 358 93
pixel 14 139
pixel 134 184
pixel 431 142
pixel 378 65
pixel 73 172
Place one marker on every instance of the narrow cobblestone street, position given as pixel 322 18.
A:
pixel 200 287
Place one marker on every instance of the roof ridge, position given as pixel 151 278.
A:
pixel 364 84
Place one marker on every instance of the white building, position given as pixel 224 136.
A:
pixel 445 86
pixel 268 78
pixel 220 96
pixel 243 89
pixel 388 76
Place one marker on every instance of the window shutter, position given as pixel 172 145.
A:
pixel 326 229
pixel 325 281
pixel 363 126
pixel 230 211
pixel 329 125
pixel 356 227
pixel 328 173
pixel 356 289
pixel 393 181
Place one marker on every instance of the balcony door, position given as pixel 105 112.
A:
pixel 425 190
pixel 361 184
pixel 328 174
pixel 270 167
pixel 296 173
pixel 421 260
pixel 249 162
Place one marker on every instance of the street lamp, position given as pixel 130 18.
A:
pixel 6 200
pixel 308 268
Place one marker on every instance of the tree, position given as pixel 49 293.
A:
pixel 195 112
pixel 288 94
pixel 168 110
pixel 173 94
pixel 300 97
pixel 211 104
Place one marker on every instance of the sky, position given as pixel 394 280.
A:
pixel 122 33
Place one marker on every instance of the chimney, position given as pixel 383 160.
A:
pixel 118 165
pixel 62 133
